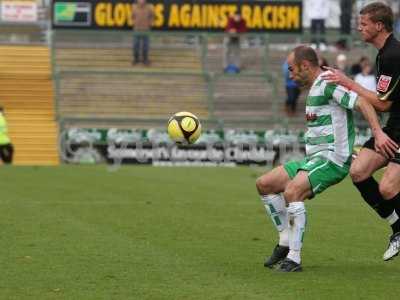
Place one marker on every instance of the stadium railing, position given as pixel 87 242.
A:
pixel 179 61
pixel 96 82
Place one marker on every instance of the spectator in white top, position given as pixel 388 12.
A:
pixel 366 78
pixel 317 11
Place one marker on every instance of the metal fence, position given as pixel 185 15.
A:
pixel 95 80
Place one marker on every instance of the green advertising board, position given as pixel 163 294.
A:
pixel 72 14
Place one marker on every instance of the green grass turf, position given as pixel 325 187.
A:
pixel 177 233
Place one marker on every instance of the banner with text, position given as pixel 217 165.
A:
pixel 153 146
pixel 179 15
pixel 18 11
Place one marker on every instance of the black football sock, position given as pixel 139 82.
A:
pixel 369 190
pixel 396 226
pixel 396 203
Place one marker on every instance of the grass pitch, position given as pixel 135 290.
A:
pixel 84 232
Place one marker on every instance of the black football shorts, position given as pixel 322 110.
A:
pixel 394 134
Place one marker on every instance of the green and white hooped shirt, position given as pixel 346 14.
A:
pixel 330 129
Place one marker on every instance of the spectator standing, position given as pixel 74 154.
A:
pixel 366 78
pixel 143 17
pixel 6 148
pixel 341 64
pixel 292 91
pixel 235 26
pixel 317 11
pixel 358 66
pixel 346 10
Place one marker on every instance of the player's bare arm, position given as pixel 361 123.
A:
pixel 383 144
pixel 336 76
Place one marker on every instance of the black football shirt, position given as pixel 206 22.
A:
pixel 388 78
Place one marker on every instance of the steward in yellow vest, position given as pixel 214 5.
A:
pixel 6 148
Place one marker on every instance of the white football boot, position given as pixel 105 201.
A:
pixel 393 248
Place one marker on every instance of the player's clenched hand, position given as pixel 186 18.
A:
pixel 332 75
pixel 385 145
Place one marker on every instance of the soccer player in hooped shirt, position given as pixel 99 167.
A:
pixel 376 27
pixel 329 142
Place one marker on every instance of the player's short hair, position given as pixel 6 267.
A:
pixel 307 53
pixel 379 12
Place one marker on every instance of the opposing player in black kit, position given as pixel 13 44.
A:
pixel 376 27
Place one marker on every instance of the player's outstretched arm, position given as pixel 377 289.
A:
pixel 335 76
pixel 383 144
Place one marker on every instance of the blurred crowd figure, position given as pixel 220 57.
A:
pixel 363 74
pixel 322 61
pixel 341 64
pixel 362 71
pixel 346 13
pixel 6 147
pixel 317 11
pixel 235 26
pixel 357 67
pixel 366 77
pixel 292 92
pixel 143 17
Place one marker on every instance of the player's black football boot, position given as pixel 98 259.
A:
pixel 277 256
pixel 288 265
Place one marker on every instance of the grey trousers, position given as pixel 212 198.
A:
pixel 231 52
